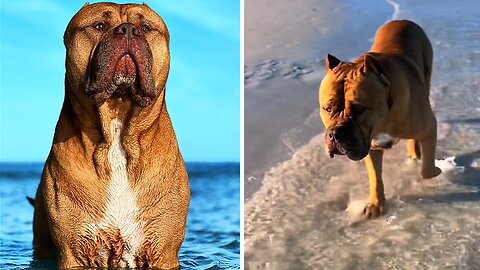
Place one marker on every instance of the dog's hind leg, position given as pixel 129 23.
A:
pixel 427 145
pixel 427 55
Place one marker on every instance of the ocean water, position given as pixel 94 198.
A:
pixel 212 240
pixel 302 208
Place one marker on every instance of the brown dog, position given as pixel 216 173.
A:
pixel 367 104
pixel 114 190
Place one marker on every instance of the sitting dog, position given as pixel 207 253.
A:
pixel 382 96
pixel 114 190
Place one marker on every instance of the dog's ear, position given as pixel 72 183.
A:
pixel 370 64
pixel 331 62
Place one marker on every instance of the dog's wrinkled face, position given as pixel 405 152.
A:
pixel 116 50
pixel 354 104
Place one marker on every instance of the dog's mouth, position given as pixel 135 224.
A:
pixel 124 74
pixel 352 152
pixel 125 71
pixel 121 65
pixel 335 148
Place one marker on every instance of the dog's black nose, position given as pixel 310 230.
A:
pixel 127 29
pixel 339 133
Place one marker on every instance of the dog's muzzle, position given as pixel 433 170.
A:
pixel 343 140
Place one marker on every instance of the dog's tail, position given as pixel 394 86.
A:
pixel 31 201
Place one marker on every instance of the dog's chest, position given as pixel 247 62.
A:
pixel 119 234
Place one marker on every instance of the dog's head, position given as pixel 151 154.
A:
pixel 354 104
pixel 117 50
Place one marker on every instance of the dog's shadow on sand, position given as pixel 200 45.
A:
pixel 470 177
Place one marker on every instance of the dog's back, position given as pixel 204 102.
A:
pixel 407 39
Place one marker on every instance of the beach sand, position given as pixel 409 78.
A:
pixel 296 196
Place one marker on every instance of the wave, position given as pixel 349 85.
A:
pixel 396 9
pixel 213 169
pixel 20 170
pixel 33 170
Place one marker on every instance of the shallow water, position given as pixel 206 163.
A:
pixel 295 214
pixel 212 240
pixel 297 220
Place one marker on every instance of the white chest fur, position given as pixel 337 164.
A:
pixel 121 208
pixel 384 140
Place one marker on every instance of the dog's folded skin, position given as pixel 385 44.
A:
pixel 114 190
pixel 382 96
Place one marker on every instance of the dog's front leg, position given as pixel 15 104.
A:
pixel 413 149
pixel 376 201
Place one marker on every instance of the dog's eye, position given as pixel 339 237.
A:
pixel 328 109
pixel 146 28
pixel 100 26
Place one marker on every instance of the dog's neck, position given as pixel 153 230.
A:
pixel 91 125
pixel 95 119
pixel 134 119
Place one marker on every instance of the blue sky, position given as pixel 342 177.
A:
pixel 203 89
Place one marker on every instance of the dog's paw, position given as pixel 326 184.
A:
pixel 412 161
pixel 413 157
pixel 373 211
pixel 430 173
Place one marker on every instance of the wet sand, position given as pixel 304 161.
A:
pixel 296 196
